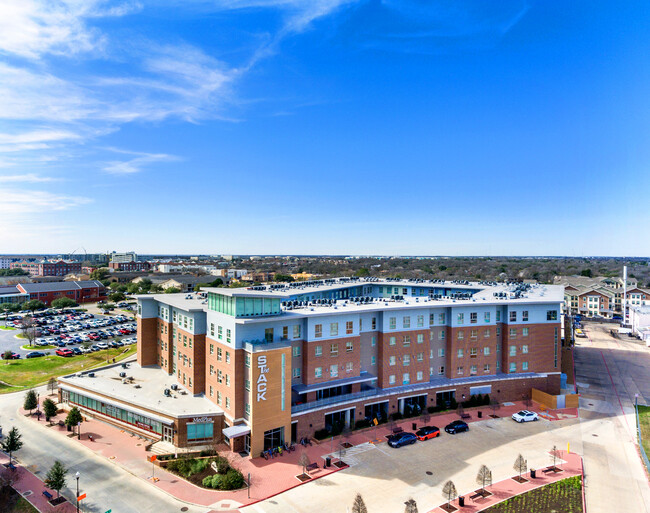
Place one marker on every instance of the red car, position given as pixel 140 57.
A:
pixel 124 331
pixel 64 352
pixel 426 432
pixel 14 356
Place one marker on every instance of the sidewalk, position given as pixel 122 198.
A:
pixel 572 466
pixel 268 477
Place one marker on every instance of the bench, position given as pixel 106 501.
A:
pixel 465 416
pixel 397 430
pixel 547 470
pixel 476 496
pixel 311 466
pixel 48 495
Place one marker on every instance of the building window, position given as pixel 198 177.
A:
pixel 419 376
pixel 441 352
pixel 498 315
pixel 318 372
pixel 407 340
pixel 211 370
pixel 486 351
pixel 211 391
pixel 406 378
pixel 391 360
pixel 473 318
pixel 219 376
pixel 392 323
pixel 524 316
pixel 419 357
pixel 334 329
pixel 247 360
pixel 373 360
pixel 247 384
pixel 374 323
pixel 391 379
pixel 513 367
pixel 228 336
pixel 441 334
pixel 441 370
pixel 513 350
pixel 348 367
pixel 334 349
pixel 431 319
pixel 227 380
pixel 524 366
pixel 441 318
pixel 295 350
pixel 551 315
pixel 211 348
pixel 219 354
pixel 459 370
pixel 220 332
pixel 461 318
pixel 318 351
pixel 406 360
pixel 406 321
pixel 513 316
pixel 486 367
pixel 524 349
pixel 461 335
pixel 498 331
pixel 391 341
pixel 268 335
pixel 513 332
pixel 334 370
pixel 218 398
pixel 486 317
pixel 285 332
pixel 420 321
pixel 473 369
pixel 349 328
pixel 473 352
pixel 460 353
pixel 420 338
pixel 318 330
pixel 474 334
pixel 227 403
pixel 373 341
pixel 296 372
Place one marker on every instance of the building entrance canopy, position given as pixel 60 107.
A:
pixel 236 431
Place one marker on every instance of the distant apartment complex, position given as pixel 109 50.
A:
pixel 79 291
pixel 129 266
pixel 600 296
pixel 261 365
pixel 122 258
pixel 48 267
pixel 5 263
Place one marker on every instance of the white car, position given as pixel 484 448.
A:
pixel 102 345
pixel 525 416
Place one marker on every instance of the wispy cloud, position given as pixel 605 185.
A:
pixel 16 201
pixel 135 164
pixel 26 178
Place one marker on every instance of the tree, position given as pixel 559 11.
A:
pixel 50 409
pixel 74 418
pixel 283 277
pixel 172 290
pixel 99 274
pixel 31 401
pixel 7 354
pixel 358 506
pixel 495 405
pixel 521 465
pixel 303 461
pixel 411 506
pixel 449 491
pixel 586 272
pixel 64 302
pixel 33 305
pixel 116 296
pixel 362 272
pixel 555 455
pixel 51 385
pixel 484 477
pixel 113 286
pixel 528 402
pixel 460 410
pixel 28 329
pixel 55 477
pixel 12 442
pixel 424 416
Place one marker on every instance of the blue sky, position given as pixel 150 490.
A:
pixel 325 126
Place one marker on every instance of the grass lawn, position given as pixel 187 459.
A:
pixel 12 502
pixel 28 373
pixel 36 348
pixel 563 496
pixel 7 328
pixel 644 421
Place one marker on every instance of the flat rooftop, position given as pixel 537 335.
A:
pixel 144 390
pixel 182 300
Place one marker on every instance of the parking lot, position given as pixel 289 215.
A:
pixel 70 331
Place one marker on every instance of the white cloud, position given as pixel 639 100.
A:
pixel 15 202
pixel 26 178
pixel 135 165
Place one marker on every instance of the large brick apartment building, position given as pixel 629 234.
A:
pixel 275 363
pixel 48 267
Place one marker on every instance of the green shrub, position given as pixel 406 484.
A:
pixel 213 481
pixel 363 423
pixel 222 465
pixel 396 416
pixel 232 480
pixel 321 434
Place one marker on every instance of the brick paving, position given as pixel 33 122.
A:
pixel 571 466
pixel 268 477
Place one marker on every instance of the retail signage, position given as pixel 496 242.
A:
pixel 261 379
pixel 202 419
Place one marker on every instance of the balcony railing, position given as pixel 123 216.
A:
pixel 333 400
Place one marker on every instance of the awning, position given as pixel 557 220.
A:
pixel 236 431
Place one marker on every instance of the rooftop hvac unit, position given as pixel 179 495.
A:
pixel 122 374
pixel 174 386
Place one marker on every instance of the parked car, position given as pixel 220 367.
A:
pixel 404 438
pixel 64 352
pixel 457 426
pixel 13 356
pixel 102 345
pixel 525 416
pixel 34 354
pixel 426 432
pixel 94 348
pixel 77 351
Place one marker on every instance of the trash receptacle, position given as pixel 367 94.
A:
pixel 480 415
pixel 533 473
pixel 415 426
pixel 69 428
pixel 328 462
pixel 461 501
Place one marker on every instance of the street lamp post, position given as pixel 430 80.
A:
pixel 77 476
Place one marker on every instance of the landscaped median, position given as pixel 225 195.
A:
pixel 644 424
pixel 16 375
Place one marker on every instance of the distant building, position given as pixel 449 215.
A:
pixel 258 276
pixel 5 263
pixel 640 322
pixel 236 274
pixel 11 294
pixel 48 267
pixel 121 258
pixel 303 276
pixel 79 291
pixel 129 266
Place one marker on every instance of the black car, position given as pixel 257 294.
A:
pixel 400 439
pixel 457 426
pixel 34 354
pixel 76 350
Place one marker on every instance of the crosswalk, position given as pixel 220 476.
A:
pixel 349 454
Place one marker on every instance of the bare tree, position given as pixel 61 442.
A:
pixel 484 477
pixel 494 405
pixel 411 506
pixel 303 461
pixel 29 329
pixel 555 455
pixel 359 506
pixel 449 491
pixel 528 402
pixel 424 416
pixel 52 385
pixel 460 410
pixel 521 465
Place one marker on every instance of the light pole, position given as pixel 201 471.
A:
pixel 77 476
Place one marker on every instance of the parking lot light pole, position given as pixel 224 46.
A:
pixel 77 476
